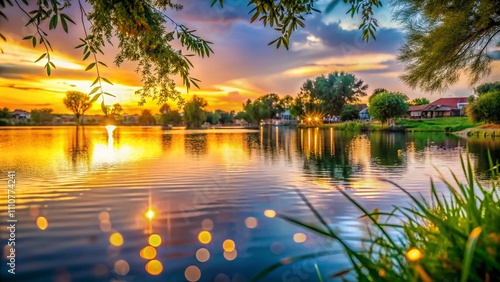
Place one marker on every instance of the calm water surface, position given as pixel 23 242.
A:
pixel 153 205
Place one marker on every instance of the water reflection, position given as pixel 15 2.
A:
pixel 202 205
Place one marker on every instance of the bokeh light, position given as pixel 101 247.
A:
pixel 104 215
pixel 207 224
pixel 105 226
pixel 154 240
pixel 270 213
pixel 121 267
pixel 116 239
pixel 202 255
pixel 148 252
pixel 42 223
pixel 251 222
pixel 204 237
pixel 414 254
pixel 230 255
pixel 192 273
pixel 299 237
pixel 154 267
pixel 150 214
pixel 228 245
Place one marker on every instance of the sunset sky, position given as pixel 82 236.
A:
pixel 243 65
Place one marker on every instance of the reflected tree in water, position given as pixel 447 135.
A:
pixel 78 151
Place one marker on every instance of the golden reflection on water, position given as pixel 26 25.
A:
pixel 154 267
pixel 116 239
pixel 154 240
pixel 204 237
pixel 42 223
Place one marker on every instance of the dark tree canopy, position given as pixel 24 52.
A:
pixel 388 105
pixel 487 87
pixel 419 101
pixel 333 91
pixel 349 112
pixel 445 39
pixel 78 103
pixel 194 112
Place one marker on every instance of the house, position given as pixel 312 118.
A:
pixel 443 107
pixel 364 115
pixel 284 118
pixel 20 115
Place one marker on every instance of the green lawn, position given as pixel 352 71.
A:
pixel 446 124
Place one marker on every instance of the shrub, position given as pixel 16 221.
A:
pixel 486 108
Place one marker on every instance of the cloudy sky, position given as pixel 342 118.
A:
pixel 243 65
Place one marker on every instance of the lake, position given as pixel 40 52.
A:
pixel 152 205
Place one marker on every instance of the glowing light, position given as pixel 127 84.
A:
pixel 202 255
pixel 148 253
pixel 414 254
pixel 154 267
pixel 270 213
pixel 150 214
pixel 207 224
pixel 121 267
pixel 42 223
pixel 299 237
pixel 105 226
pixel 110 129
pixel 116 239
pixel 192 273
pixel 205 237
pixel 308 119
pixel 104 215
pixel 230 255
pixel 228 245
pixel 251 222
pixel 154 240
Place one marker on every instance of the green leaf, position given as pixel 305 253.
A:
pixel 96 96
pixel 94 90
pixel 33 40
pixel 66 17
pixel 53 22
pixel 470 247
pixel 95 81
pixel 86 56
pixel 41 57
pixel 47 67
pixel 89 67
pixel 102 63
pixel 64 25
pixel 80 46
pixel 104 108
pixel 106 80
pixel 27 37
pixel 109 94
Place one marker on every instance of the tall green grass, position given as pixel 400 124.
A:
pixel 446 238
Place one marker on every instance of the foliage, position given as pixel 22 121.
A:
pixel 5 113
pixel 213 117
pixel 243 115
pixel 264 107
pixel 349 112
pixel 41 116
pixel 444 124
pixel 387 105
pixel 487 87
pixel 169 116
pixel 445 39
pixel 486 108
pixel 453 237
pixel 78 103
pixel 419 101
pixel 331 93
pixel 225 117
pixel 147 34
pixel 147 118
pixel 375 92
pixel 194 113
pixel 286 102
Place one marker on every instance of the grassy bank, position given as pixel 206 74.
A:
pixel 449 238
pixel 446 124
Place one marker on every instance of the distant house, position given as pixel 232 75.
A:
pixel 284 118
pixel 443 107
pixel 20 115
pixel 364 115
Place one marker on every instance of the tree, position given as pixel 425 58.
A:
pixel 286 102
pixel 388 105
pixel 41 116
pixel 169 116
pixel 485 108
pixel 146 118
pixel 194 112
pixel 487 87
pixel 5 113
pixel 213 117
pixel 145 31
pixel 445 39
pixel 375 92
pixel 334 91
pixel 349 112
pixel 225 117
pixel 419 101
pixel 78 103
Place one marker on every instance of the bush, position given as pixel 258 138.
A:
pixel 4 122
pixel 486 108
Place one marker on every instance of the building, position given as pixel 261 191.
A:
pixel 443 107
pixel 20 115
